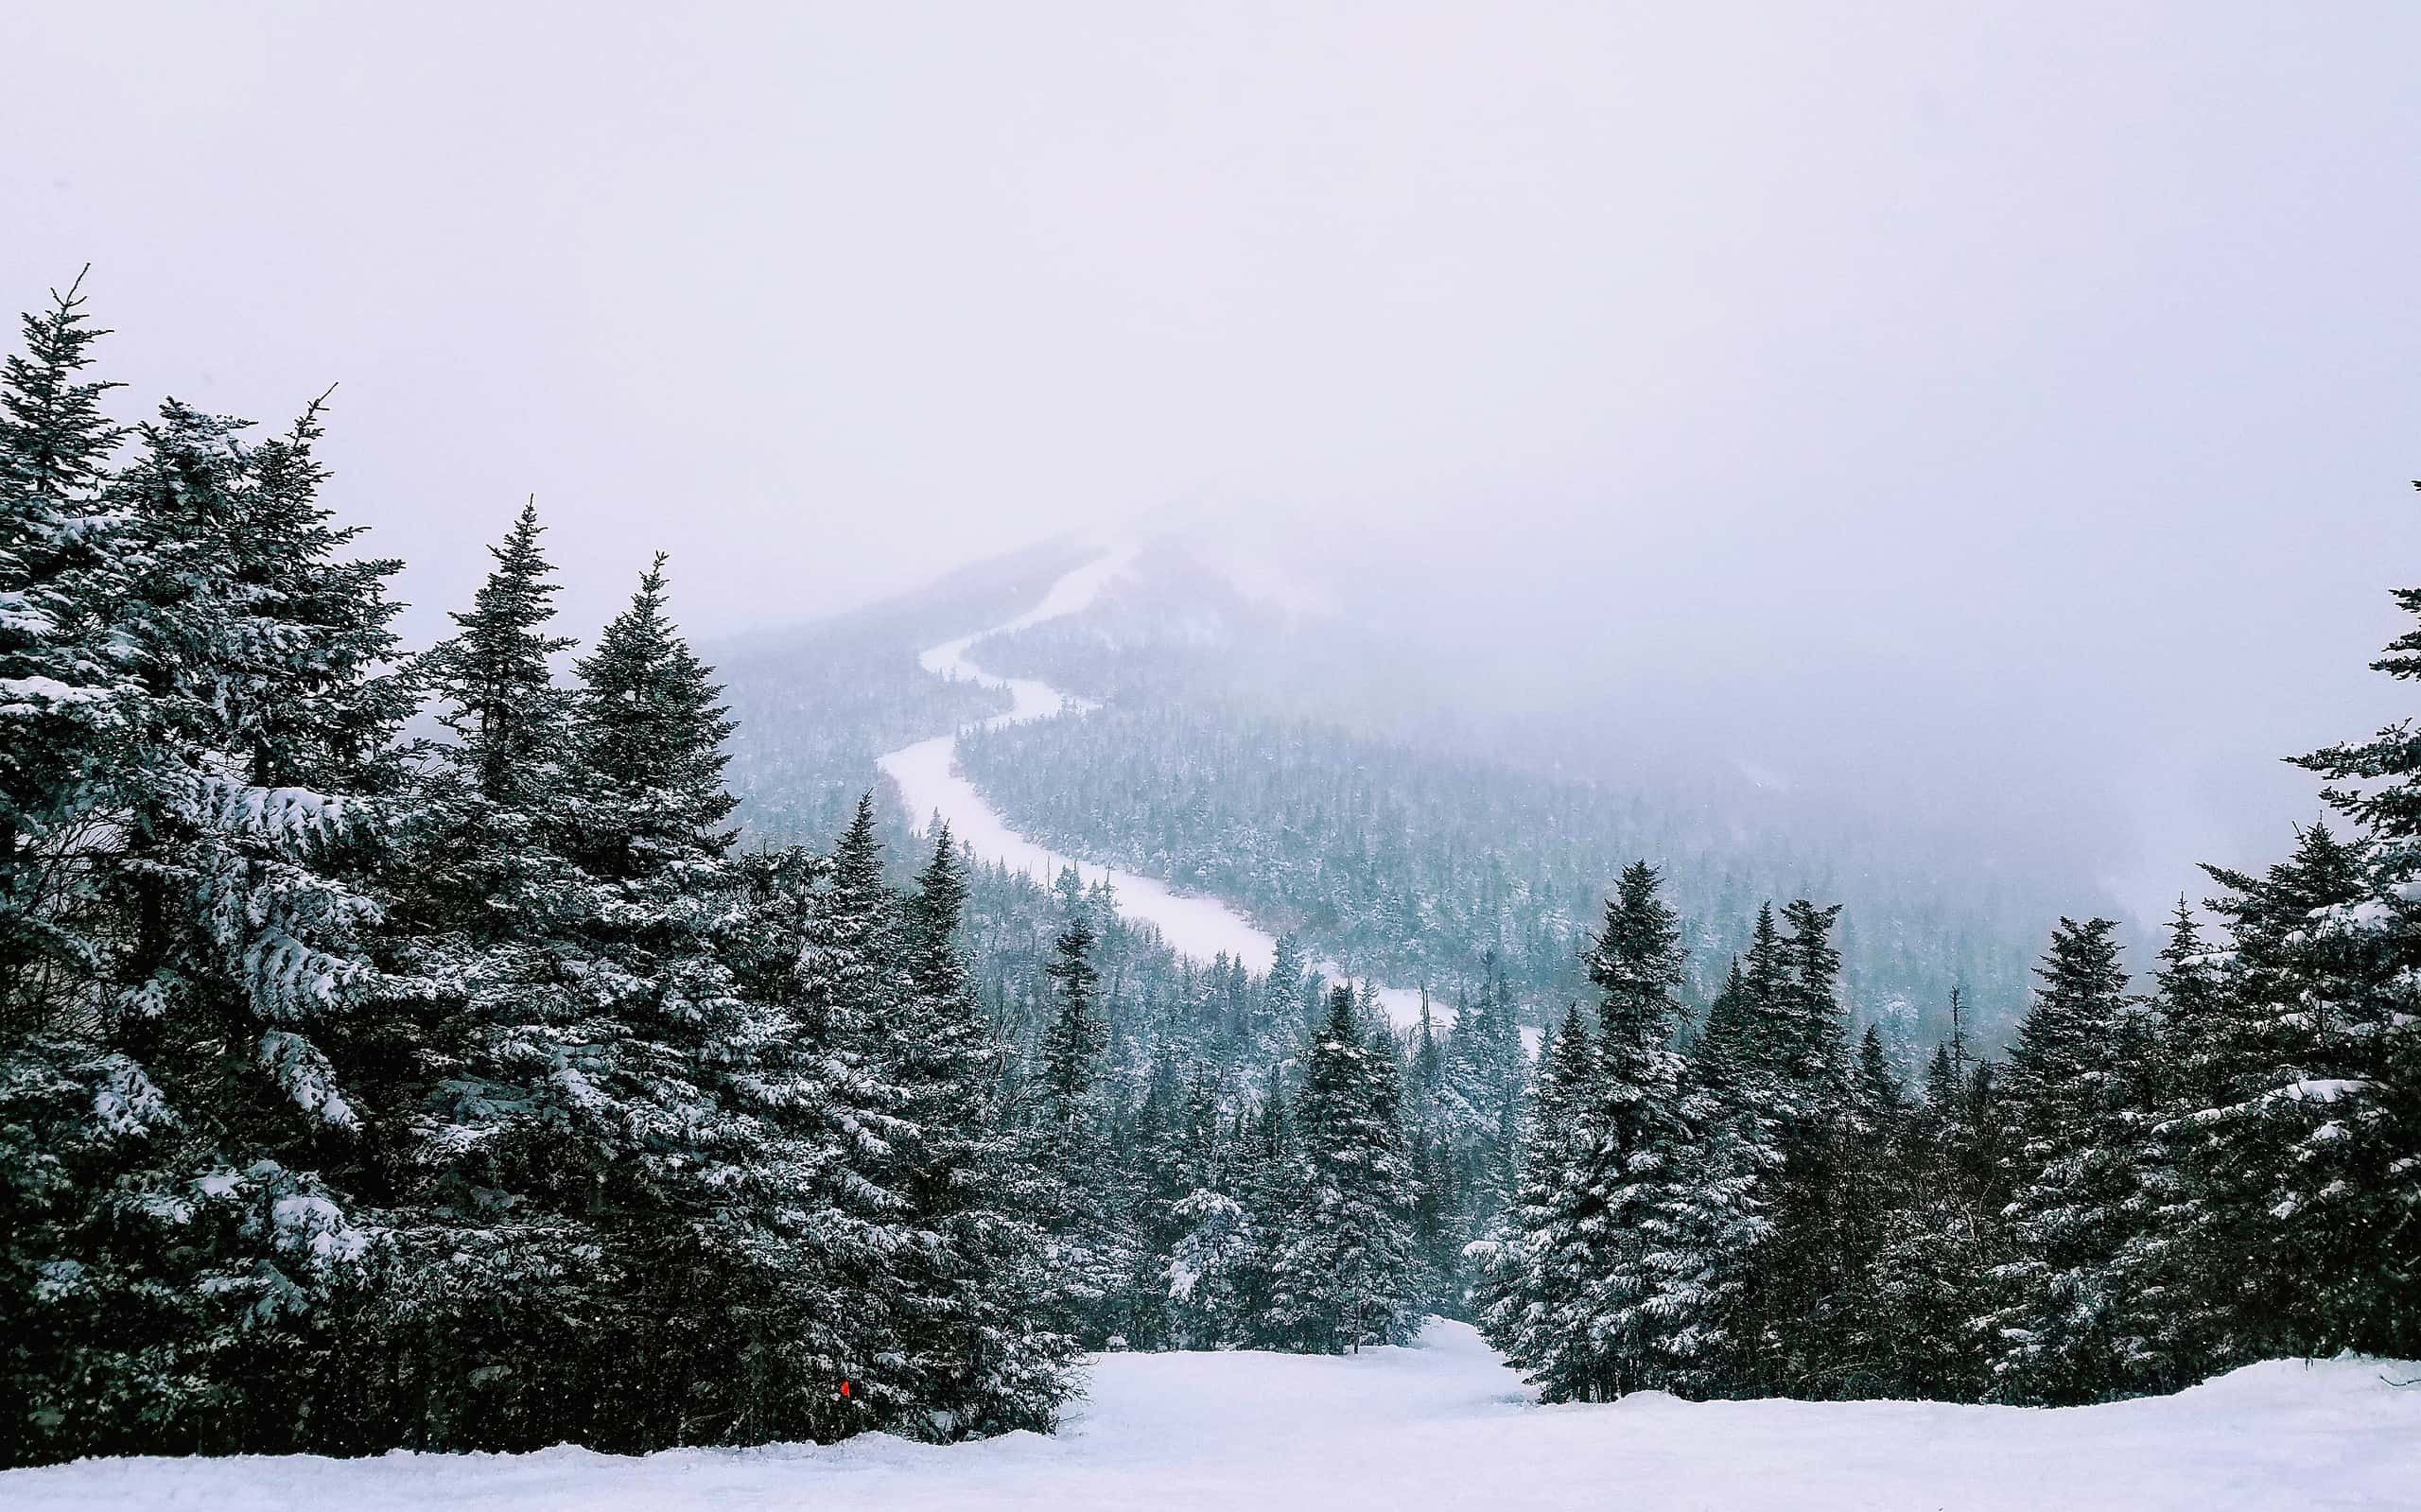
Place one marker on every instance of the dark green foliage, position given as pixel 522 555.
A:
pixel 67 692
pixel 460 1094
pixel 503 706
pixel 1348 1273
pixel 359 1092
pixel 2062 1320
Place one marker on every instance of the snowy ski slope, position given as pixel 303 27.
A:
pixel 1442 1426
pixel 927 776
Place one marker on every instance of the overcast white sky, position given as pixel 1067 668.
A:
pixel 2047 367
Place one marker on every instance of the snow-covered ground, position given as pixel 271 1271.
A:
pixel 927 776
pixel 1440 1426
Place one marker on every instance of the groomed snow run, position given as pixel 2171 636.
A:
pixel 1440 1426
pixel 928 781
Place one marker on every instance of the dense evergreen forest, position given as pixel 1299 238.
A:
pixel 1417 866
pixel 451 1092
pixel 1275 755
pixel 483 1088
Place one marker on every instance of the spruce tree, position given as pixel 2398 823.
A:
pixel 1871 1180
pixel 666 1140
pixel 1481 1075
pixel 1266 1187
pixel 501 701
pixel 1539 1272
pixel 1443 1223
pixel 2369 1049
pixel 1812 1271
pixel 63 691
pixel 1346 1271
pixel 1278 1015
pixel 1084 1207
pixel 1626 1206
pixel 986 1358
pixel 1931 1272
pixel 2177 1254
pixel 243 789
pixel 2060 1323
pixel 2300 1125
pixel 500 1270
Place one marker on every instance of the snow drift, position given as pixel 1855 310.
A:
pixel 1442 1425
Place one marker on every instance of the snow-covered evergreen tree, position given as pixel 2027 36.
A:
pixel 1931 1272
pixel 987 1359
pixel 65 690
pixel 1083 1207
pixel 2060 1325
pixel 231 829
pixel 1539 1269
pixel 503 705
pixel 2361 1180
pixel 2175 1259
pixel 1624 1202
pixel 1347 1271
pixel 499 1263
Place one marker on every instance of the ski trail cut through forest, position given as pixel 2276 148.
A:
pixel 928 781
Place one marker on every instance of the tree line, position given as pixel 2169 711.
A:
pixel 398 1050
pixel 371 1081
pixel 1264 1161
pixel 2151 1187
pixel 1415 864
pixel 470 1090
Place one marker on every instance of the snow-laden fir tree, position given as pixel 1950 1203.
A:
pixel 2364 1186
pixel 1870 1187
pixel 1082 1202
pixel 231 829
pixel 1347 1273
pixel 975 1314
pixel 666 1140
pixel 500 1270
pixel 1441 1217
pixel 2061 1325
pixel 1536 1271
pixel 1800 1304
pixel 2177 1259
pixel 65 690
pixel 501 701
pixel 1625 1201
pixel 1931 1270
pixel 1264 1185
pixel 1719 1201
pixel 1278 1014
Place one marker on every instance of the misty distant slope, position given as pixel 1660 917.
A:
pixel 1273 753
pixel 1408 863
pixel 817 703
pixel 1260 745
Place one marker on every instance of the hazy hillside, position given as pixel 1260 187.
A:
pixel 1257 745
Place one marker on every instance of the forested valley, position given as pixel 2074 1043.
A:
pixel 1257 743
pixel 425 1048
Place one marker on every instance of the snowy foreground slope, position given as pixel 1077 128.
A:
pixel 1442 1425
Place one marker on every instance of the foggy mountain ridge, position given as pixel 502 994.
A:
pixel 1222 645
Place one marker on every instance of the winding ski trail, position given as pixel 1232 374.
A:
pixel 928 781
